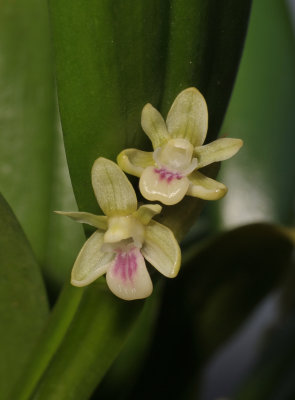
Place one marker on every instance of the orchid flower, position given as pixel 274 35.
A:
pixel 125 235
pixel 171 171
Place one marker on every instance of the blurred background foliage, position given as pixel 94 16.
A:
pixel 110 59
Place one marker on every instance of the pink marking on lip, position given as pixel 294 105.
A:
pixel 125 265
pixel 166 174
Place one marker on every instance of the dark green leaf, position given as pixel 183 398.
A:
pixel 205 44
pixel 229 277
pixel 222 283
pixel 23 301
pixel 272 378
pixel 110 62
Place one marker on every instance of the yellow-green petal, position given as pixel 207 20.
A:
pixel 154 125
pixel 91 262
pixel 114 192
pixel 188 117
pixel 98 221
pixel 219 150
pixel 205 188
pixel 146 212
pixel 161 249
pixel 134 161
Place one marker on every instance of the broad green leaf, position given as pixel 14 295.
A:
pixel 261 178
pixel 242 267
pixel 272 378
pixel 205 44
pixel 275 365
pixel 110 62
pixel 275 362
pixel 223 280
pixel 27 116
pixel 33 171
pixel 94 338
pixel 23 300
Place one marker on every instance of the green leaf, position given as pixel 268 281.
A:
pixel 205 44
pixel 33 170
pixel 107 54
pixel 28 117
pixel 23 301
pixel 272 378
pixel 221 283
pixel 261 178
pixel 49 341
pixel 95 337
pixel 237 270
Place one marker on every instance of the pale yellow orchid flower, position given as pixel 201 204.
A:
pixel 171 171
pixel 124 237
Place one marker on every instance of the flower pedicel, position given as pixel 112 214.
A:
pixel 171 171
pixel 125 235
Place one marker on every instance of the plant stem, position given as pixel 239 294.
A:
pixel 49 341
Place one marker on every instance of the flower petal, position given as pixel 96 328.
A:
pixel 146 212
pixel 128 277
pixel 219 150
pixel 134 161
pixel 161 249
pixel 165 186
pixel 91 262
pixel 99 221
pixel 188 117
pixel 154 125
pixel 205 188
pixel 114 192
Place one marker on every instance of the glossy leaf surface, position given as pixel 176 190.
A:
pixel 33 171
pixel 23 300
pixel 27 117
pixel 219 286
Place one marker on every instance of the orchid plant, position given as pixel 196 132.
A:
pixel 108 59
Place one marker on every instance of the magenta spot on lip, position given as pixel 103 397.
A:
pixel 126 264
pixel 166 174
